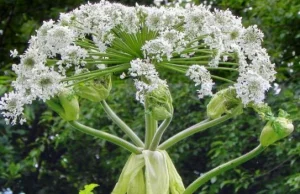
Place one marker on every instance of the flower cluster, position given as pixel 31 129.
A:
pixel 191 40
pixel 201 76
pixel 148 73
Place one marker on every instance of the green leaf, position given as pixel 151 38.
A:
pixel 88 189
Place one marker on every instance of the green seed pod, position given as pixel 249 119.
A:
pixel 66 105
pixel 160 103
pixel 275 130
pixel 222 102
pixel 95 90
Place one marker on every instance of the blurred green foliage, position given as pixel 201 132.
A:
pixel 47 156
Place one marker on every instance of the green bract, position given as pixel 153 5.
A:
pixel 66 105
pixel 95 90
pixel 160 103
pixel 222 102
pixel 149 173
pixel 263 110
pixel 275 130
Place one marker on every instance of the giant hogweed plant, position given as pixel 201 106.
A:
pixel 75 57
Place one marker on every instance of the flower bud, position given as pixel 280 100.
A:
pixel 95 90
pixel 275 130
pixel 160 103
pixel 66 105
pixel 222 102
pixel 161 113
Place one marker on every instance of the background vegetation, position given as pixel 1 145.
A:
pixel 47 156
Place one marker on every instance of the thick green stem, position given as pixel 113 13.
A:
pixel 151 126
pixel 160 131
pixel 114 117
pixel 106 136
pixel 192 130
pixel 222 168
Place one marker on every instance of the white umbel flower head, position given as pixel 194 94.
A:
pixel 262 65
pixel 251 87
pixel 140 39
pixel 12 106
pixel 158 48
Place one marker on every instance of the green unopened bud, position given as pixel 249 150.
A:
pixel 161 113
pixel 160 103
pixel 222 102
pixel 275 130
pixel 95 90
pixel 66 105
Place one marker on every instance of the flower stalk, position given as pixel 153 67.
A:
pixel 125 128
pixel 106 136
pixel 192 130
pixel 159 133
pixel 222 168
pixel 151 126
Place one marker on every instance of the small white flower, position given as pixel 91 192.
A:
pixel 123 75
pixel 101 66
pixel 14 53
pixel 158 2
